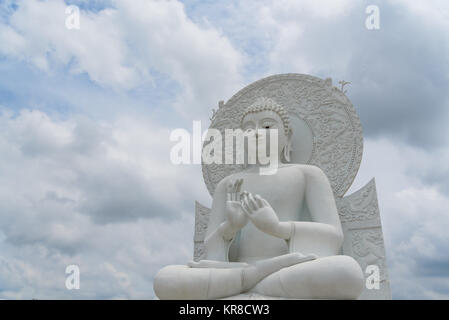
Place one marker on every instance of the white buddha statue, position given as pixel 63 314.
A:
pixel 281 237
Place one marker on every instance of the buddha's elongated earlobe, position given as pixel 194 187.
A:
pixel 287 152
pixel 288 147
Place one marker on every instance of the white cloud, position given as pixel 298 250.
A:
pixel 295 27
pixel 122 47
pixel 434 11
pixel 100 195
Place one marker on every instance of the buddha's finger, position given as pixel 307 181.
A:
pixel 236 185
pixel 265 203
pixel 239 185
pixel 247 206
pixel 244 209
pixel 230 186
pixel 259 201
pixel 252 201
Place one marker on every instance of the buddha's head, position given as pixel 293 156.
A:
pixel 266 114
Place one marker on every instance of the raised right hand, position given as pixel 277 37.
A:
pixel 235 215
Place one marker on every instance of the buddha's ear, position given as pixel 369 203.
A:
pixel 288 147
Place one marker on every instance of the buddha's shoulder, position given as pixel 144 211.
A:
pixel 301 168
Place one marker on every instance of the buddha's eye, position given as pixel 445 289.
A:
pixel 267 124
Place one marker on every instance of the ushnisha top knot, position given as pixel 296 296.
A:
pixel 267 104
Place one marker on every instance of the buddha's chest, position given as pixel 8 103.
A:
pixel 283 191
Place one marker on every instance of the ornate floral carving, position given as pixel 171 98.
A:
pixel 201 221
pixel 359 206
pixel 363 238
pixel 368 241
pixel 198 251
pixel 368 249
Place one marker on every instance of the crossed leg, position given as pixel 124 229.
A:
pixel 289 276
pixel 208 282
pixel 334 277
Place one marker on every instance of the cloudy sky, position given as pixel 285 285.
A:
pixel 85 119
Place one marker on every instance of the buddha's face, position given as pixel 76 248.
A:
pixel 254 122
